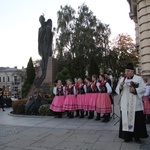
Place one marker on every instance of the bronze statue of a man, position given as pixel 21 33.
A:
pixel 45 38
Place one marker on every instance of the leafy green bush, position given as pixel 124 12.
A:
pixel 18 106
pixel 45 111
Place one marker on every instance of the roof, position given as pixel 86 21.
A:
pixel 7 69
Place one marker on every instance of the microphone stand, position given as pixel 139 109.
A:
pixel 119 110
pixel 114 115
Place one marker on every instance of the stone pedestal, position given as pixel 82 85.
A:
pixel 51 73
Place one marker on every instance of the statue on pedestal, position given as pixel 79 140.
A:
pixel 45 38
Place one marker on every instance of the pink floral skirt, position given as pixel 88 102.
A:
pixel 90 101
pixel 81 101
pixel 146 103
pixel 57 104
pixel 103 103
pixel 70 103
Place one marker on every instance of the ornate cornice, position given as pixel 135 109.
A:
pixel 133 10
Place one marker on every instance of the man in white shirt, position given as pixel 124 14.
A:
pixel 132 124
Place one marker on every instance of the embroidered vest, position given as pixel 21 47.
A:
pixel 103 87
pixel 60 91
pixel 88 87
pixel 81 89
pixel 69 90
pixel 94 87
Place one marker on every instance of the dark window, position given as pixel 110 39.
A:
pixel 16 89
pixel 8 79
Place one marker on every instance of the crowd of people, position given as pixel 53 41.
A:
pixel 83 97
pixel 80 98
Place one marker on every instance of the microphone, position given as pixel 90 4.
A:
pixel 124 77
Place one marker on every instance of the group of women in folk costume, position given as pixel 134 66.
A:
pixel 88 96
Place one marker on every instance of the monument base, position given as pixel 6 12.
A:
pixel 51 73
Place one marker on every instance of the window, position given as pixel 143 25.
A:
pixel 3 79
pixel 8 79
pixel 16 89
pixel 15 78
pixel 0 79
pixel 21 79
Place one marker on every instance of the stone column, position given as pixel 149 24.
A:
pixel 143 17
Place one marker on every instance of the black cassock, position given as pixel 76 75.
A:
pixel 140 130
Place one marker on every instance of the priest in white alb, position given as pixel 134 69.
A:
pixel 132 123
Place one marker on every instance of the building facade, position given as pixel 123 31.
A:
pixel 11 80
pixel 140 14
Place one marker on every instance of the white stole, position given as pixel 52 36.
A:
pixel 128 106
pixel 128 117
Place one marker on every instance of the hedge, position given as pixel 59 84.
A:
pixel 45 111
pixel 18 106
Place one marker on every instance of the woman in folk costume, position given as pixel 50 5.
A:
pixel 76 86
pixel 70 103
pixel 110 83
pixel 103 103
pixel 146 102
pixel 89 102
pixel 132 122
pixel 57 104
pixel 95 90
pixel 81 97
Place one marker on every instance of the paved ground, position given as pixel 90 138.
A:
pixel 49 133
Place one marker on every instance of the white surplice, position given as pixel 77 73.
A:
pixel 130 103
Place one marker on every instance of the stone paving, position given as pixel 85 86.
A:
pixel 49 133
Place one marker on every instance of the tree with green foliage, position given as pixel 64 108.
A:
pixel 80 37
pixel 25 88
pixel 30 76
pixel 82 44
pixel 123 51
pixel 93 69
pixel 30 71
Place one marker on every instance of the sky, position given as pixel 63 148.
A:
pixel 20 23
